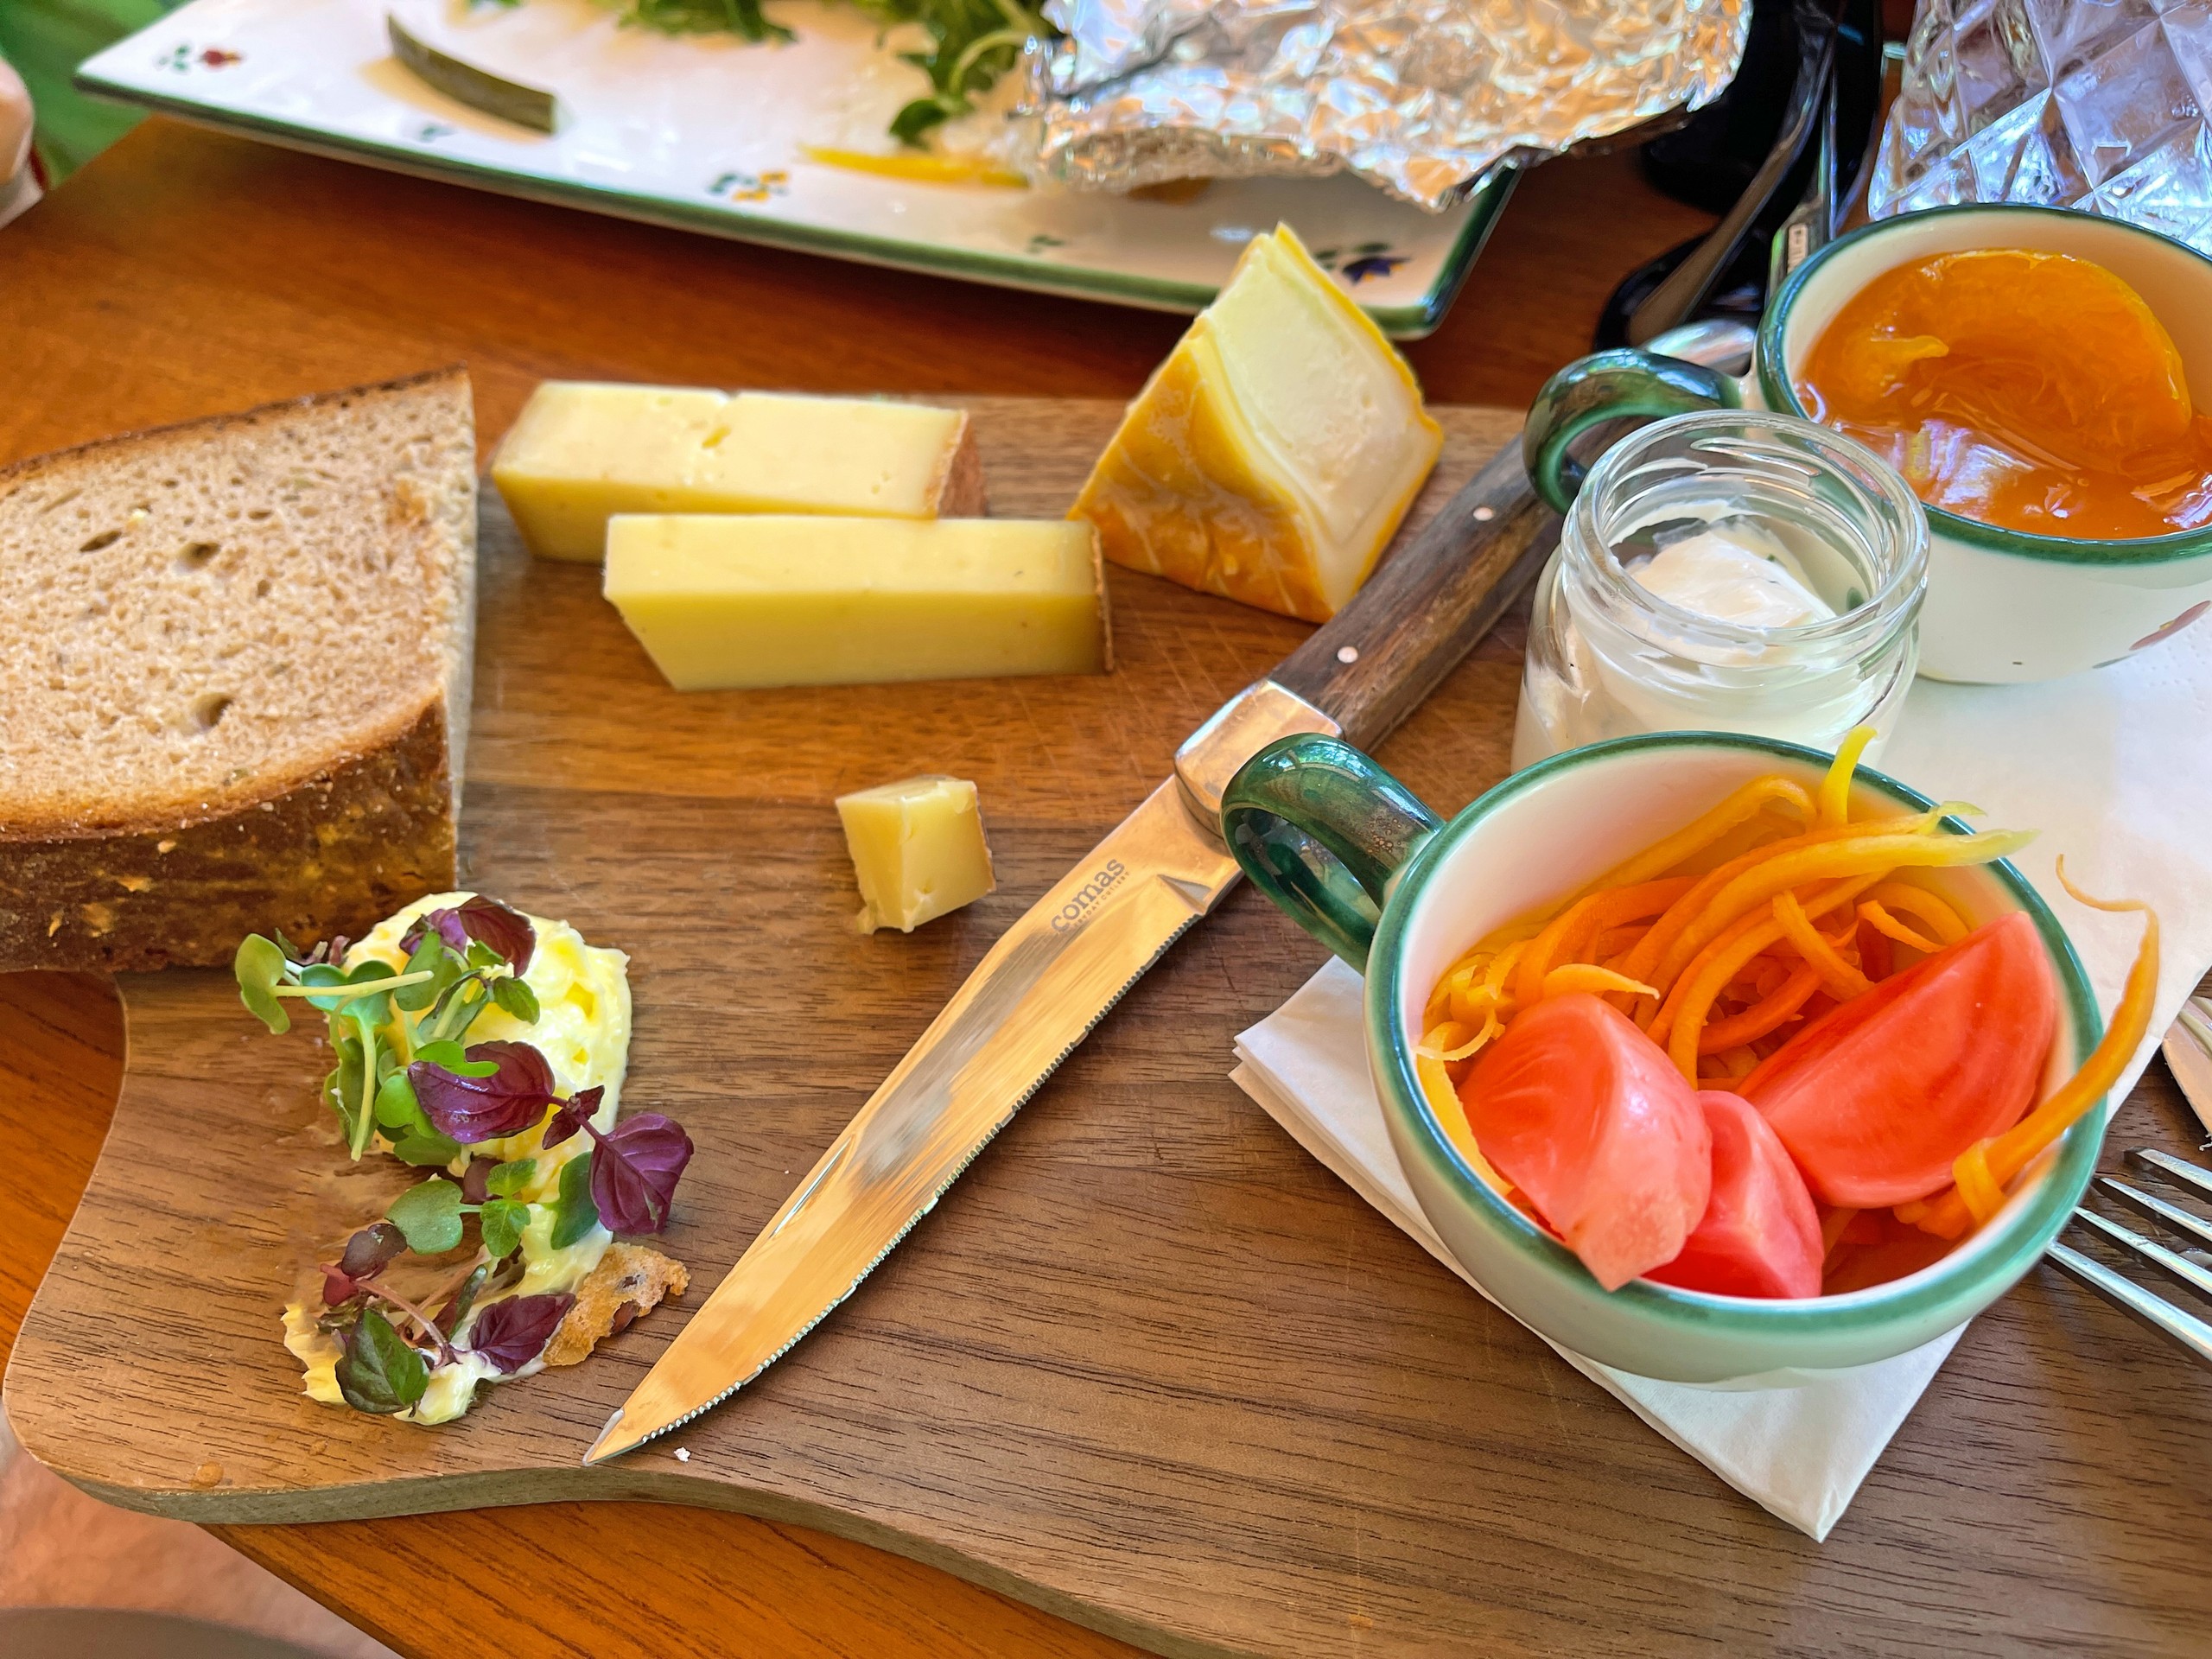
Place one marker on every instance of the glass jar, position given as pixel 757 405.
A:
pixel 1609 657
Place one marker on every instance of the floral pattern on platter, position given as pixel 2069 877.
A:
pixel 1355 264
pixel 737 185
pixel 182 60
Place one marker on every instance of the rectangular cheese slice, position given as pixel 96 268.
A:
pixel 581 451
pixel 917 850
pixel 772 600
pixel 1271 457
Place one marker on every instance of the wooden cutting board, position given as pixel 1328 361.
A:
pixel 1148 1365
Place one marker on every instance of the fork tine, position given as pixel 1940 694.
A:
pixel 2184 1329
pixel 2172 1217
pixel 2180 1267
pixel 2152 1161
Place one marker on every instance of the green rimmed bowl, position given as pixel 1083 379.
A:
pixel 2002 606
pixel 1358 862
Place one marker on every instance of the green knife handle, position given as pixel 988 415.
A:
pixel 1370 665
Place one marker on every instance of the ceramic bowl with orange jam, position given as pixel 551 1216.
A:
pixel 2041 378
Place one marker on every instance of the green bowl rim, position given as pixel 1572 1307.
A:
pixel 2021 1239
pixel 1782 396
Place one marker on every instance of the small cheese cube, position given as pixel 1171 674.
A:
pixel 1271 456
pixel 917 848
pixel 727 602
pixel 580 451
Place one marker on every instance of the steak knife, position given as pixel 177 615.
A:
pixel 1054 974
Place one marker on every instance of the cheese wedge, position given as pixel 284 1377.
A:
pixel 1271 456
pixel 773 600
pixel 581 451
pixel 917 850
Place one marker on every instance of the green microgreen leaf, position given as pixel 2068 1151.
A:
pixel 573 1212
pixel 465 1298
pixel 516 997
pixel 341 1089
pixel 426 1150
pixel 510 1179
pixel 260 965
pixel 378 1372
pixel 502 1221
pixel 429 1214
pixel 432 958
pixel 482 956
pixel 396 1107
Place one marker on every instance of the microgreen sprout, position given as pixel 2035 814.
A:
pixel 407 1077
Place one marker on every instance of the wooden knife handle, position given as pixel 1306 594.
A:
pixel 1370 665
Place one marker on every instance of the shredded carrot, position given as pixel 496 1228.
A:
pixel 1566 938
pixel 1882 922
pixel 1668 928
pixel 1701 833
pixel 1843 981
pixel 1922 906
pixel 1835 788
pixel 1951 1214
pixel 1872 856
pixel 1772 1012
pixel 1581 976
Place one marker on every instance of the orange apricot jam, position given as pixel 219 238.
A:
pixel 2032 390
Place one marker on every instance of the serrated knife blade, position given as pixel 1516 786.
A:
pixel 1054 974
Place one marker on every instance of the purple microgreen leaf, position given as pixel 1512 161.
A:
pixel 511 1333
pixel 372 1249
pixel 634 1169
pixel 576 1112
pixel 512 1097
pixel 338 1286
pixel 476 1179
pixel 507 932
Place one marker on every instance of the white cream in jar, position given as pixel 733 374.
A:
pixel 1726 571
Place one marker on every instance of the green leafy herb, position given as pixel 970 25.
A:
pixel 515 996
pixel 465 1298
pixel 429 1214
pixel 510 1179
pixel 573 1212
pixel 426 1150
pixel 377 1372
pixel 260 965
pixel 972 43
pixel 502 1220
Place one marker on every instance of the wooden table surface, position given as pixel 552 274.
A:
pixel 183 274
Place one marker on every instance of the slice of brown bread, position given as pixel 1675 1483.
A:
pixel 234 669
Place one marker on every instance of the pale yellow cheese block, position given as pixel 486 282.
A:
pixel 1271 457
pixel 917 850
pixel 769 599
pixel 581 451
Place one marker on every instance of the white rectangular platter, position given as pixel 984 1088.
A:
pixel 708 133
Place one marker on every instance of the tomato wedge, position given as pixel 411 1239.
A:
pixel 1877 1098
pixel 1760 1234
pixel 1590 1120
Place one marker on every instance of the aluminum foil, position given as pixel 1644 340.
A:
pixel 2103 107
pixel 1421 97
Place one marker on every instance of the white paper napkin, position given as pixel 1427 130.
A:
pixel 2113 767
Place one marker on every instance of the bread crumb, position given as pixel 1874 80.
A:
pixel 134 883
pixel 683 1455
pixel 54 926
pixel 165 846
pixel 97 917
pixel 629 1281
pixel 207 1475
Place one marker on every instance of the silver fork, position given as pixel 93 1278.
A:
pixel 2191 1265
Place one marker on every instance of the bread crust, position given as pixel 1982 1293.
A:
pixel 335 854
